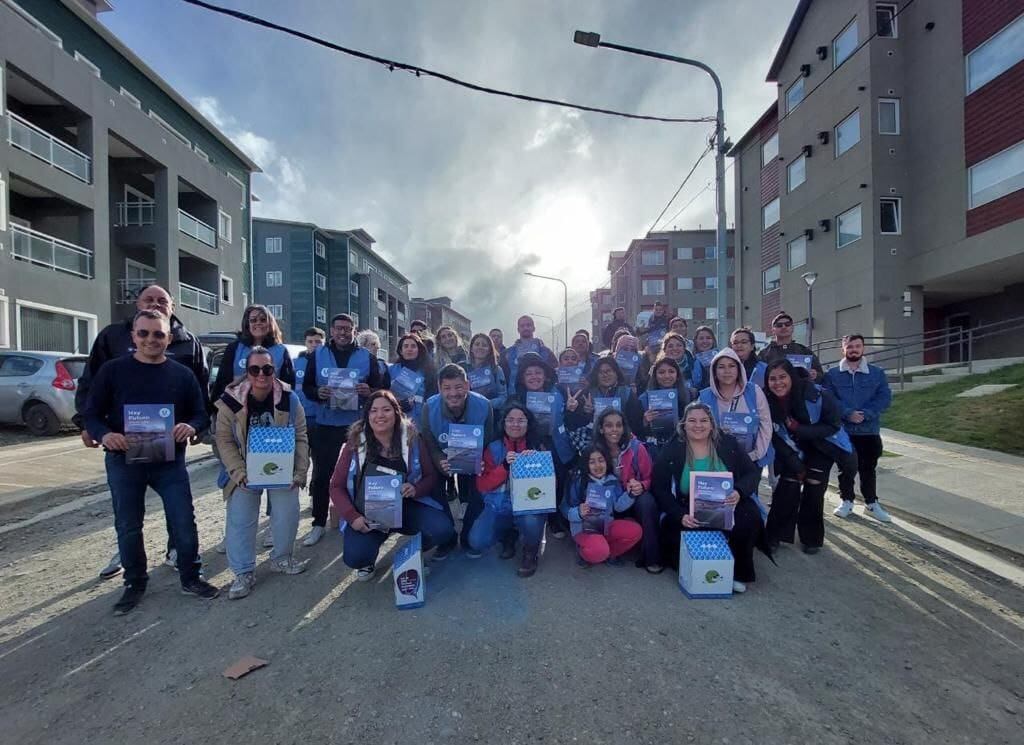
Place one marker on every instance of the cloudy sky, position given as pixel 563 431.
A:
pixel 464 191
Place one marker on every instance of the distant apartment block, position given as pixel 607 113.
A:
pixel 601 308
pixel 438 311
pixel 109 181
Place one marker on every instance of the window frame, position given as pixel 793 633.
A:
pixel 273 240
pixel 687 280
pixel 798 82
pixel 687 254
pixel 789 253
pixel 321 314
pixel 353 288
pixel 710 313
pixel 320 248
pixel 320 280
pixel 223 219
pixel 657 253
pixel 854 115
pixel 685 313
pixel 898 202
pixel 1015 150
pixel 896 108
pixel 275 278
pixel 765 290
pixel 860 212
pixel 764 145
pixel 894 10
pixel 229 298
pixel 276 310
pixel 790 186
pixel 643 286
pixel 971 88
pixel 836 61
pixel 764 213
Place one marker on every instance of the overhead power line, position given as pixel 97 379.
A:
pixel 418 71
pixel 669 203
pixel 682 209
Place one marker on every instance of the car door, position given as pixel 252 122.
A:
pixel 17 373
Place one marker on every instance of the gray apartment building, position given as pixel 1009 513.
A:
pixel 438 311
pixel 891 168
pixel 109 181
pixel 306 274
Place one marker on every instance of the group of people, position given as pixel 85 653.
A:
pixel 635 420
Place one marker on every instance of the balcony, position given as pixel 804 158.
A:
pixel 45 250
pixel 201 300
pixel 128 290
pixel 135 213
pixel 35 141
pixel 195 228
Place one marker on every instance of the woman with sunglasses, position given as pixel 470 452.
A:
pixel 259 399
pixel 259 328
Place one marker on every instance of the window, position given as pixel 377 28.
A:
pixel 794 95
pixel 227 290
pixel 885 20
pixel 797 251
pixel 888 116
pixel 321 314
pixel 684 253
pixel 711 283
pixel 652 287
pixel 997 176
pixel 273 245
pixel 710 252
pixel 353 258
pixel 890 213
pixel 711 314
pixel 382 324
pixel 274 279
pixel 770 150
pixel 844 45
pixel 48 328
pixel 201 153
pixel 848 227
pixel 224 225
pixel 796 172
pixel 686 313
pixel 85 61
pixel 771 279
pixel 171 130
pixel 245 251
pixel 355 319
pixel 16 366
pixel 277 311
pixel 320 248
pixel 997 55
pixel 353 288
pixel 684 283
pixel 847 133
pixel 653 257
pixel 770 214
pixel 321 281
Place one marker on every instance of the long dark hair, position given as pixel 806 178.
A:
pixel 373 452
pixel 780 408
pixel 273 335
pixel 714 339
pixel 681 388
pixel 492 352
pixel 620 379
pixel 534 440
pixel 599 438
pixel 713 438
pixel 585 467
pixel 532 359
pixel 425 364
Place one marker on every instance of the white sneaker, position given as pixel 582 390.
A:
pixel 242 586
pixel 313 536
pixel 113 567
pixel 268 539
pixel 738 586
pixel 366 573
pixel 845 509
pixel 171 559
pixel 878 512
pixel 289 566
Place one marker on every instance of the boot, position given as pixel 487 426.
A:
pixel 508 546
pixel 528 566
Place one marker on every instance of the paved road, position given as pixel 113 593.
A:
pixel 880 639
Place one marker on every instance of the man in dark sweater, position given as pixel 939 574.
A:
pixel 783 346
pixel 151 390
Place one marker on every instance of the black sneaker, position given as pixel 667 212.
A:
pixel 129 599
pixel 200 588
pixel 508 549
pixel 441 552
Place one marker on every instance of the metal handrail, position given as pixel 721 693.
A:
pixel 42 249
pixel 192 226
pixel 135 213
pixel 48 148
pixel 197 299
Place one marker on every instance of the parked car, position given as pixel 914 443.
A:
pixel 37 389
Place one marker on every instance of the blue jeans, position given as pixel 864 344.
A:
pixel 434 526
pixel 128 482
pixel 490 527
pixel 242 517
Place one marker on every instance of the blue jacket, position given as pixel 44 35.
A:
pixel 867 392
pixel 577 495
pixel 513 353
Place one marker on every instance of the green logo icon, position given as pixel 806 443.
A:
pixel 271 468
pixel 712 577
pixel 534 493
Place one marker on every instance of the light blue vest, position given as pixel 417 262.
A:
pixel 277 353
pixel 708 398
pixel 359 360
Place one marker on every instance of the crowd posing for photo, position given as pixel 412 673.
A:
pixel 633 423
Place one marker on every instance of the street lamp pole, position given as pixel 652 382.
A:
pixel 810 278
pixel 550 320
pixel 565 300
pixel 591 39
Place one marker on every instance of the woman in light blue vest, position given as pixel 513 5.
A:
pixel 412 375
pixel 484 373
pixel 259 328
pixel 743 343
pixel 705 347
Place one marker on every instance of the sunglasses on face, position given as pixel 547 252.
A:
pixel 255 370
pixel 144 334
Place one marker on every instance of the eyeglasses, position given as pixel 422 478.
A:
pixel 515 421
pixel 255 370
pixel 782 324
pixel 258 319
pixel 144 334
pixel 343 329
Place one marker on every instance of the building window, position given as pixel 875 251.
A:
pixel 227 290
pixel 997 55
pixel 273 245
pixel 653 257
pixel 320 248
pixel 885 20
pixel 353 259
pixel 794 95
pixel 245 250
pixel 85 61
pixel 997 176
pixel 321 314
pixel 353 288
pixel 796 172
pixel 684 253
pixel 49 328
pixel 274 279
pixel 355 319
pixel 711 283
pixel 684 283
pixel 770 214
pixel 844 45
pixel 711 252
pixel 847 133
pixel 890 212
pixel 277 311
pixel 771 279
pixel 770 150
pixel 848 227
pixel 170 130
pixel 132 99
pixel 711 314
pixel 382 324
pixel 686 313
pixel 224 225
pixel 797 251
pixel 888 116
pixel 321 281
pixel 652 287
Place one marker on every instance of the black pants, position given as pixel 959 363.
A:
pixel 324 445
pixel 869 450
pixel 466 491
pixel 797 505
pixel 742 540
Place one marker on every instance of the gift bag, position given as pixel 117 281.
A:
pixel 407 575
pixel 270 457
pixel 533 484
pixel 705 564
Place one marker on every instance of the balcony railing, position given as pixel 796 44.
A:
pixel 135 213
pixel 35 141
pixel 128 290
pixel 192 226
pixel 45 250
pixel 193 297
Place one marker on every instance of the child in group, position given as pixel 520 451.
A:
pixel 600 539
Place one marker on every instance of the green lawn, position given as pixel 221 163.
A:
pixel 995 422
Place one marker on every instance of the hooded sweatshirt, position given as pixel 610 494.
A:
pixel 721 404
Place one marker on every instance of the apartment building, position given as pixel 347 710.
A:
pixel 306 274
pixel 109 181
pixel 601 309
pixel 438 312
pixel 891 170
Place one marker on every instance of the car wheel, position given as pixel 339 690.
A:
pixel 41 421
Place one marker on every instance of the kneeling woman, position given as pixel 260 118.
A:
pixel 702 446
pixel 258 400
pixel 612 536
pixel 385 442
pixel 518 436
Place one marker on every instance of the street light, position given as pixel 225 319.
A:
pixel 592 39
pixel 565 289
pixel 810 278
pixel 550 320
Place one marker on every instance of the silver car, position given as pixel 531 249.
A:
pixel 37 389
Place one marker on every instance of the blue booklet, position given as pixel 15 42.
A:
pixel 666 403
pixel 408 385
pixel 571 378
pixel 343 381
pixel 382 501
pixel 464 448
pixel 600 501
pixel 480 378
pixel 629 363
pixel 708 492
pixel 743 426
pixel 804 361
pixel 147 428
pixel 542 405
pixel 601 403
pixel 705 357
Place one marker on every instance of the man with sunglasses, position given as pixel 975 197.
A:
pixel 116 341
pixel 782 346
pixel 149 378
